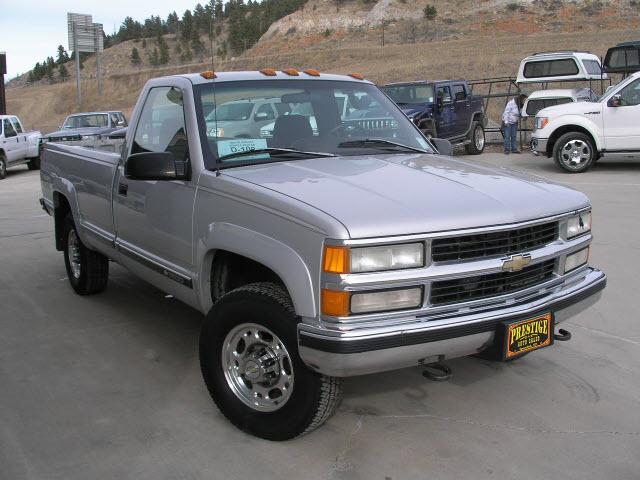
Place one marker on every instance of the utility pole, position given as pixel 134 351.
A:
pixel 77 55
pixel 3 70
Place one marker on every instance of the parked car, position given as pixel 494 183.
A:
pixel 316 257
pixel 540 99
pixel 560 67
pixel 578 134
pixel 17 147
pixel 443 109
pixel 243 118
pixel 89 129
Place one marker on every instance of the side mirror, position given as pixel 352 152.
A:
pixel 443 146
pixel 261 116
pixel 155 166
pixel 615 101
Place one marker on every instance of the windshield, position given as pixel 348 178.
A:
pixel 231 112
pixel 86 121
pixel 326 117
pixel 410 94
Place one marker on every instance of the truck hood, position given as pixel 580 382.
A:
pixel 389 195
pixel 411 110
pixel 576 108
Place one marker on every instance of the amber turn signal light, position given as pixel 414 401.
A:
pixel 336 259
pixel 291 72
pixel 209 75
pixel 335 304
pixel 269 72
pixel 312 72
pixel 357 76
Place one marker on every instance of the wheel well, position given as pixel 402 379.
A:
pixel 61 208
pixel 230 271
pixel 477 117
pixel 566 129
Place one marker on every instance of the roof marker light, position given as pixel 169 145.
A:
pixel 357 76
pixel 209 75
pixel 269 72
pixel 291 72
pixel 312 72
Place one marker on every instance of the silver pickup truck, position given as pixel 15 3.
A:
pixel 349 248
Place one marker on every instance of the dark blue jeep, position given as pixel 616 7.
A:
pixel 443 109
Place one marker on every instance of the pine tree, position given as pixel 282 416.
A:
pixel 50 75
pixel 63 56
pixel 63 73
pixel 153 57
pixel 186 27
pixel 163 56
pixel 144 43
pixel 135 56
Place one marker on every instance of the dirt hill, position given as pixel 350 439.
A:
pixel 387 40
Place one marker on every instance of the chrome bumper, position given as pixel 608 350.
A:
pixel 365 350
pixel 539 146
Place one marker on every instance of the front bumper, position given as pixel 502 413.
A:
pixel 539 146
pixel 366 350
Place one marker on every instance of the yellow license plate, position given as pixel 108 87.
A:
pixel 528 335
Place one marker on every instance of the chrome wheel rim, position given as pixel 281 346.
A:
pixel 479 138
pixel 257 367
pixel 73 253
pixel 575 154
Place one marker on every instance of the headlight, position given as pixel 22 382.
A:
pixel 373 259
pixel 343 304
pixel 576 260
pixel 578 224
pixel 86 137
pixel 541 122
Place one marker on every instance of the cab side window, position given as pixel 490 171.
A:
pixel 161 127
pixel 630 95
pixel 16 124
pixel 459 94
pixel 444 94
pixel 9 131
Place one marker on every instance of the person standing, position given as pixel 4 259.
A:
pixel 510 118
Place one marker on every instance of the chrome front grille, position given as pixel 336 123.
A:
pixel 490 244
pixel 489 285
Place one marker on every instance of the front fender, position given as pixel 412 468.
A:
pixel 277 256
pixel 578 120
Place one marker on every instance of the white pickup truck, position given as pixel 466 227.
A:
pixel 576 135
pixel 17 146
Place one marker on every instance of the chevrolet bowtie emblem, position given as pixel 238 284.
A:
pixel 515 263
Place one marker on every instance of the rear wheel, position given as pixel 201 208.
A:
pixel 476 140
pixel 87 270
pixel 34 163
pixel 574 152
pixel 3 167
pixel 250 364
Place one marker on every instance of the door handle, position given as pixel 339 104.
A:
pixel 123 188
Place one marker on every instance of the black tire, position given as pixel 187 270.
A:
pixel 93 266
pixel 569 147
pixel 3 167
pixel 34 163
pixel 313 397
pixel 476 139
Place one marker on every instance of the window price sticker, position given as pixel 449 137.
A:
pixel 237 145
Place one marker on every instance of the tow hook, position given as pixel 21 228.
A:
pixel 562 335
pixel 438 372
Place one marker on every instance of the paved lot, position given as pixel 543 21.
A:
pixel 109 386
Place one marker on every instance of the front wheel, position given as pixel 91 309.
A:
pixel 87 270
pixel 250 364
pixel 574 152
pixel 476 140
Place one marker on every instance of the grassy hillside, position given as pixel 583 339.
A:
pixel 485 39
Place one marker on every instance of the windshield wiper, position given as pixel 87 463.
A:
pixel 379 143
pixel 275 152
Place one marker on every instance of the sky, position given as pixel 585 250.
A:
pixel 31 30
